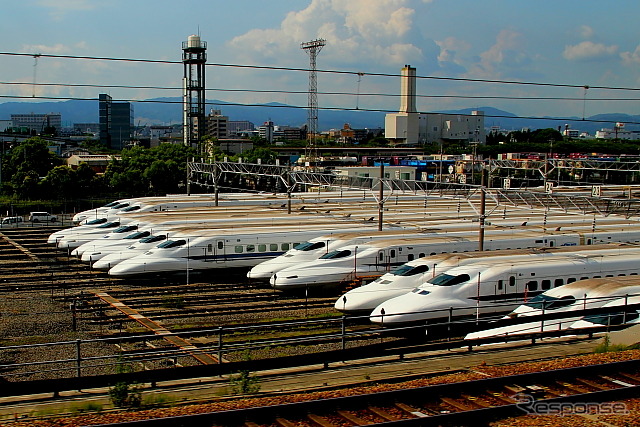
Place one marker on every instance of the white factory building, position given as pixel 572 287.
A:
pixel 412 128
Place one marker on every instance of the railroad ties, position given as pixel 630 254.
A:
pixel 586 390
pixel 21 248
pixel 183 344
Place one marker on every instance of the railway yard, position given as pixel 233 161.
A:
pixel 67 331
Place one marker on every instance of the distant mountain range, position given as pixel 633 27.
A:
pixel 169 111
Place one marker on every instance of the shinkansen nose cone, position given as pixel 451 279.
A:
pixel 263 271
pixel 303 276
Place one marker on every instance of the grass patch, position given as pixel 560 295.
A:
pixel 158 400
pixel 607 347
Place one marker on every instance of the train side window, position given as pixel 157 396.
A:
pixel 238 249
pixel 284 246
pixel 209 248
pixel 558 282
pixel 584 278
pixel 500 285
pixel 380 256
pixel 621 274
pixel 633 274
pixel 262 248
pixel 251 248
pixel 220 245
pixel 546 284
pixel 512 280
pixel 410 257
pixel 571 279
pixel 421 255
pixel 392 253
pixel 609 275
pixel 273 246
pixel 532 285
pixel 432 253
pixel 597 277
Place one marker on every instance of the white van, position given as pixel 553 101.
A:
pixel 41 217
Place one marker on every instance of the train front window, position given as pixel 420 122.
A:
pixel 547 302
pixel 109 225
pixel 444 279
pixel 125 228
pixel 410 270
pixel 171 244
pixel 336 254
pixel 97 221
pixel 131 209
pixel 309 246
pixel 153 239
pixel 612 319
pixel 137 235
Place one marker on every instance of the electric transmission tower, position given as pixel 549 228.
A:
pixel 312 48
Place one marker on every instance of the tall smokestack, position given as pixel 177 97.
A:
pixel 408 90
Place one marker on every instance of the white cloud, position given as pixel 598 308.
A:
pixel 630 58
pixel 505 55
pixel 588 50
pixel 59 8
pixel 586 31
pixel 58 48
pixel 353 30
pixel 450 47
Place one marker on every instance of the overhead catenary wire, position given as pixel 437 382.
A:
pixel 356 73
pixel 359 74
pixel 300 92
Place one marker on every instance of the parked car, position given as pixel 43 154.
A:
pixel 12 220
pixel 41 217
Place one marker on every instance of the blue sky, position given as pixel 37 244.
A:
pixel 574 42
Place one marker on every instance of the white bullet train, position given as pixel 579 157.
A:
pixel 190 219
pixel 495 286
pixel 409 276
pixel 580 295
pixel 343 264
pixel 224 248
pixel 376 257
pixel 624 311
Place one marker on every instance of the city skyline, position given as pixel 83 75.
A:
pixel 560 43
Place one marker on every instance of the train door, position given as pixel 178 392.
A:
pixel 219 254
pixel 551 243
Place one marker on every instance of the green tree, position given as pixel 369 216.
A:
pixel 61 183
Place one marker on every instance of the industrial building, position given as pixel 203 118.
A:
pixel 410 127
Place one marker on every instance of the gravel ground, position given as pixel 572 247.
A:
pixel 482 371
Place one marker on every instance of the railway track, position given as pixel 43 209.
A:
pixel 581 390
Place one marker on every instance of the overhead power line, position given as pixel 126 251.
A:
pixel 300 92
pixel 354 73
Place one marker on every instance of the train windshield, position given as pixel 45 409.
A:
pixel 120 206
pixel 112 204
pixel 444 279
pixel 97 221
pixel 171 244
pixel 125 228
pixel 109 225
pixel 410 270
pixel 336 254
pixel 153 239
pixel 131 209
pixel 611 319
pixel 137 235
pixel 309 246
pixel 547 302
